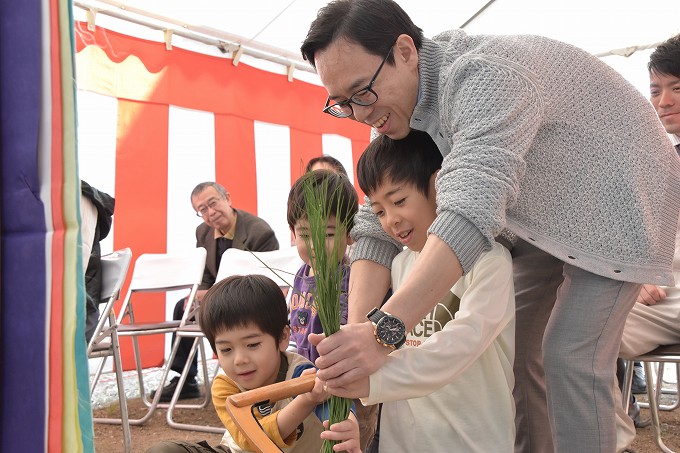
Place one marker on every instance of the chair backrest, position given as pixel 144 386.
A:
pixel 163 272
pixel 167 271
pixel 279 265
pixel 114 270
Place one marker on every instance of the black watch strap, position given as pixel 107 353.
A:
pixel 375 315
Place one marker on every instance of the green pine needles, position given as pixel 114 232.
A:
pixel 324 248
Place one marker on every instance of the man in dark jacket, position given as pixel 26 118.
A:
pixel 223 227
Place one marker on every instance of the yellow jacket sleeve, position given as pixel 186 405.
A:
pixel 223 388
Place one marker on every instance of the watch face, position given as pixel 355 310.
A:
pixel 390 330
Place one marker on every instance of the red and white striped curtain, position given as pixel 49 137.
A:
pixel 153 123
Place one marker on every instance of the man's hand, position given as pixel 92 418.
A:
pixel 651 294
pixel 357 389
pixel 348 355
pixel 345 432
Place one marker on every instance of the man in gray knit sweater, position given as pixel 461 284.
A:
pixel 538 137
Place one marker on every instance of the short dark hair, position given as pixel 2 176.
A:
pixel 242 300
pixel 204 185
pixel 412 159
pixel 666 58
pixel 343 201
pixel 373 24
pixel 326 159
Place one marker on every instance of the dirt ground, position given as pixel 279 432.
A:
pixel 109 438
pixel 670 433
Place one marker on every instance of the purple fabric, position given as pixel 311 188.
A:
pixel 303 317
pixel 22 239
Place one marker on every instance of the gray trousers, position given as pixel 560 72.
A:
pixel 568 331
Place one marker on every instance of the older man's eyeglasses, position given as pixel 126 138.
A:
pixel 364 97
pixel 203 210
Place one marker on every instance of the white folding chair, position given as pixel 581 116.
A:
pixel 661 356
pixel 158 273
pixel 104 341
pixel 279 265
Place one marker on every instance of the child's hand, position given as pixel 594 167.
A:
pixel 345 432
pixel 318 394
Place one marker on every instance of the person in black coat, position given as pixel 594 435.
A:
pixel 96 218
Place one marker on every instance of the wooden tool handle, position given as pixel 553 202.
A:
pixel 275 392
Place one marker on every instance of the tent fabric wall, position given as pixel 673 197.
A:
pixel 248 109
pixel 45 395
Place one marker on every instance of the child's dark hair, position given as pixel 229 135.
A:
pixel 343 201
pixel 329 160
pixel 242 300
pixel 412 159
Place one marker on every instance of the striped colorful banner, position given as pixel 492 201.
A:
pixel 45 394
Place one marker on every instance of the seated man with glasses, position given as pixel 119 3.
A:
pixel 223 227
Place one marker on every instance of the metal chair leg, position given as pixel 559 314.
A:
pixel 627 384
pixel 196 346
pixel 652 392
pixel 127 436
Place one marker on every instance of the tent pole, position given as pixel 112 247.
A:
pixel 475 15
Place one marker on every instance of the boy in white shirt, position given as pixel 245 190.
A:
pixel 449 387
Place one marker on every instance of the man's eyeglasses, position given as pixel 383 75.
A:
pixel 203 210
pixel 364 97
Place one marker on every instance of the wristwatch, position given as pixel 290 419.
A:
pixel 388 330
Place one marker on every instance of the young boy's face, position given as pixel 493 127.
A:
pixel 405 213
pixel 302 239
pixel 250 357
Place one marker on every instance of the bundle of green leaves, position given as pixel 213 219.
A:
pixel 327 273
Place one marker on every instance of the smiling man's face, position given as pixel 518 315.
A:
pixel 664 90
pixel 345 67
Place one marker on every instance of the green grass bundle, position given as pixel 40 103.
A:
pixel 323 252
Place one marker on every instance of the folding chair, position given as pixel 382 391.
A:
pixel 279 265
pixel 158 273
pixel 661 355
pixel 192 330
pixel 104 341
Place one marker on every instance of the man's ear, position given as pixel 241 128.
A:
pixel 285 339
pixel 405 51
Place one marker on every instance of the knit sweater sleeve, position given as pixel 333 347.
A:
pixel 372 243
pixel 492 109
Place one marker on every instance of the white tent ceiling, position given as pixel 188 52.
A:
pixel 277 28
pixel 598 26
